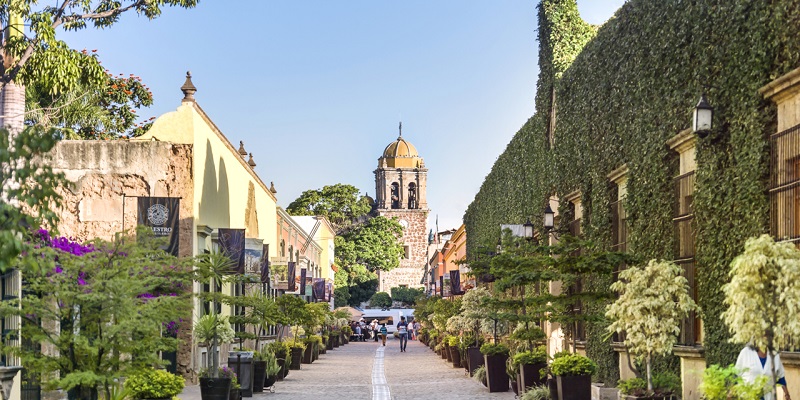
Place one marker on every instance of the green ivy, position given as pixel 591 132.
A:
pixel 621 91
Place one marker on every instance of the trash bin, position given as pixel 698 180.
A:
pixel 241 362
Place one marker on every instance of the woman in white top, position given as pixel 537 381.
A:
pixel 754 362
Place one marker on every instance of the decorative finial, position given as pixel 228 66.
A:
pixel 242 151
pixel 250 162
pixel 272 188
pixel 188 88
pixel 401 130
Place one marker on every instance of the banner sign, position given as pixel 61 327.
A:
pixel 441 286
pixel 455 282
pixel 302 281
pixel 318 291
pixel 279 274
pixel 292 275
pixel 264 267
pixel 162 215
pixel 231 242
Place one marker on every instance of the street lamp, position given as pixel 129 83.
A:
pixel 549 217
pixel 703 117
pixel 527 229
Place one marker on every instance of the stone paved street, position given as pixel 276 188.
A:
pixel 347 373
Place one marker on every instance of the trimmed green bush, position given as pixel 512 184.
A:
pixel 539 355
pixel 154 384
pixel 492 349
pixel 573 364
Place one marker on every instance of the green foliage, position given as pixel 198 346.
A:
pixel 536 356
pixel 723 383
pixel 663 384
pixel 763 294
pixel 573 364
pixel 213 327
pixel 380 299
pixel 632 386
pixel 537 393
pixel 494 349
pixel 341 204
pixel 480 374
pixel 27 195
pixel 374 245
pixel 154 384
pixel 653 301
pixel 279 349
pixel 100 314
pixel 407 295
pixel 106 110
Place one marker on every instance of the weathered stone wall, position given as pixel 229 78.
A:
pixel 415 236
pixel 102 172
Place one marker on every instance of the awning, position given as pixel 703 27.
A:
pixel 355 315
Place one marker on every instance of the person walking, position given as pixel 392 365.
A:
pixel 402 333
pixel 384 332
pixel 374 328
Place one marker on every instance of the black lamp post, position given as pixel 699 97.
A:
pixel 527 229
pixel 549 218
pixel 703 117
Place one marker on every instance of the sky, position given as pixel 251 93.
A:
pixel 316 88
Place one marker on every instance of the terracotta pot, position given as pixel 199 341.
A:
pixel 496 373
pixel 574 387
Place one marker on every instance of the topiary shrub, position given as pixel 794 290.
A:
pixel 573 364
pixel 154 384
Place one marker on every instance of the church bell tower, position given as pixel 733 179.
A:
pixel 400 192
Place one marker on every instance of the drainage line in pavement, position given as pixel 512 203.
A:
pixel 380 389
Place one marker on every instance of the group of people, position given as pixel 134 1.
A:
pixel 405 331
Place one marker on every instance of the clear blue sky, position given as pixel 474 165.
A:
pixel 316 88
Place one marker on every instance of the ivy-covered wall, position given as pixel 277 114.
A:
pixel 620 92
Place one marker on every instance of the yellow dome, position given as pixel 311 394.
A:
pixel 401 154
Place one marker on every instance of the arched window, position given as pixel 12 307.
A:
pixel 395 195
pixel 412 195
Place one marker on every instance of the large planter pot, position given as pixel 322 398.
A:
pixel 632 397
pixel 297 357
pixel 448 354
pixel 464 361
pixel 259 374
pixel 336 341
pixel 474 359
pixel 215 388
pixel 329 344
pixel 553 386
pixel 515 388
pixel 315 352
pixel 235 394
pixel 455 357
pixel 270 381
pixel 345 339
pixel 496 373
pixel 530 376
pixel 308 354
pixel 574 387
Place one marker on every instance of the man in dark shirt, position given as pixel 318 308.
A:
pixel 402 331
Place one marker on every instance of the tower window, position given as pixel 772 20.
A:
pixel 406 252
pixel 412 195
pixel 395 195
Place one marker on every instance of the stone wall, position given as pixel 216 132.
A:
pixel 104 175
pixel 411 269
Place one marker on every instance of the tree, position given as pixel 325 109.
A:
pixel 27 195
pixel 407 295
pixel 374 245
pixel 362 284
pixel 100 311
pixel 340 203
pixel 763 296
pixel 38 57
pixel 106 111
pixel 380 299
pixel 653 301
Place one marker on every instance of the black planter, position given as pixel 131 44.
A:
pixel 574 387
pixel 269 381
pixel 474 359
pixel 297 357
pixel 259 373
pixel 235 394
pixel 553 386
pixel 329 344
pixel 496 373
pixel 336 341
pixel 315 352
pixel 455 357
pixel 308 354
pixel 284 368
pixel 447 355
pixel 530 376
pixel 215 388
pixel 515 387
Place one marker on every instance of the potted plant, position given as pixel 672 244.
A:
pixel 153 384
pixel 495 356
pixel 480 375
pixel 297 348
pixel 274 370
pixel 310 343
pixel 573 374
pixel 213 329
pixel 665 387
pixel 512 370
pixel 281 351
pixel 326 344
pixel 653 301
pixel 259 369
pixel 530 365
pixel 724 383
pixel 236 390
pixel 346 333
pixel 455 352
pixel 216 388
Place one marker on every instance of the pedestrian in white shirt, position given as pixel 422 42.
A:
pixel 754 362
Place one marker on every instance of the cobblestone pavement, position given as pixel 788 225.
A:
pixel 348 372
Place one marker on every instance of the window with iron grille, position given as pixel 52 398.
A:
pixel 784 185
pixel 574 227
pixel 683 218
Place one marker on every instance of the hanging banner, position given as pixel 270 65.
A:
pixel 291 278
pixel 264 267
pixel 162 215
pixel 441 286
pixel 318 291
pixel 302 281
pixel 231 242
pixel 328 291
pixel 455 282
pixel 279 273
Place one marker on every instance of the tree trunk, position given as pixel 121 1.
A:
pixel 12 108
pixel 649 375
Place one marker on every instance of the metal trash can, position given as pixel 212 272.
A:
pixel 241 362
